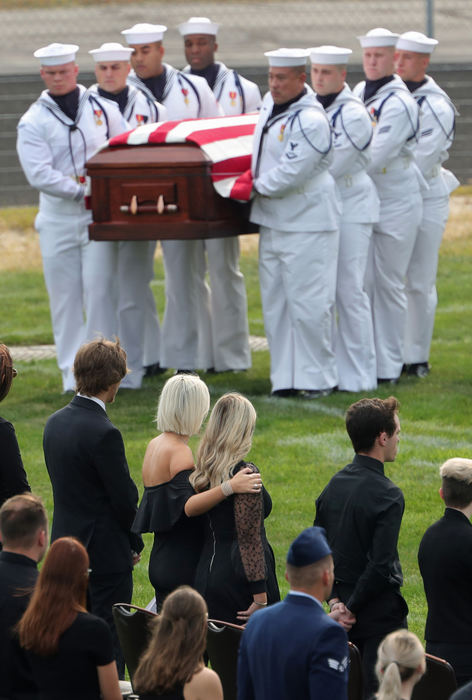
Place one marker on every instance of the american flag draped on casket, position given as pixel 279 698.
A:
pixel 227 141
pixel 175 179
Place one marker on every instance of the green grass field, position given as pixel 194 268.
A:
pixel 298 445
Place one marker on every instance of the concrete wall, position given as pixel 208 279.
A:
pixel 17 92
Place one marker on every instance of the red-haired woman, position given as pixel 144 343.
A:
pixel 12 474
pixel 69 651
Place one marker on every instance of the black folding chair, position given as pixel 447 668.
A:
pixel 223 640
pixel 133 627
pixel 355 685
pixel 439 681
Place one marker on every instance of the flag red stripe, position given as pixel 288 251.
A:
pixel 230 167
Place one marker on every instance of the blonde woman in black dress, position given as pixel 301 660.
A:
pixel 170 507
pixel 236 570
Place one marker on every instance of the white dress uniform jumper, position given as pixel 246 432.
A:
pixel 298 210
pixel 134 269
pixel 395 116
pixel 355 349
pixel 187 328
pixel 53 149
pixel 437 120
pixel 228 299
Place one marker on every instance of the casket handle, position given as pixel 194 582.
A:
pixel 160 207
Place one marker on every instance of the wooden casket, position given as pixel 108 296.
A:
pixel 160 191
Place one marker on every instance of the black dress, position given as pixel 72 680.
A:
pixel 237 560
pixel 72 671
pixel 177 538
pixel 13 478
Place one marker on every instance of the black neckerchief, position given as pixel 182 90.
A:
pixel 278 109
pixel 327 100
pixel 371 86
pixel 121 98
pixel 209 73
pixel 69 103
pixel 156 84
pixel 413 85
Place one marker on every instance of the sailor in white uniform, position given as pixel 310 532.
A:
pixel 227 299
pixel 185 97
pixel 56 136
pixel 395 116
pixel 437 122
pixel 131 258
pixel 352 131
pixel 298 209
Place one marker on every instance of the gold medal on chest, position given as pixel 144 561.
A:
pixel 98 116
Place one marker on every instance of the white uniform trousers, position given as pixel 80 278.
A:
pixel 216 332
pixel 79 280
pixel 355 349
pixel 132 259
pixel 392 246
pixel 186 329
pixel 297 274
pixel 152 330
pixel 421 292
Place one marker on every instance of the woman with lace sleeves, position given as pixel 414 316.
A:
pixel 178 534
pixel 236 570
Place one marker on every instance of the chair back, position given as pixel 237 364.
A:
pixel 223 640
pixel 132 626
pixel 439 681
pixel 355 685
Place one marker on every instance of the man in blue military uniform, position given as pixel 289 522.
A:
pixel 314 664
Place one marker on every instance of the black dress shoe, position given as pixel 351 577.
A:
pixel 153 370
pixel 186 371
pixel 315 393
pixel 419 369
pixel 284 393
pixel 388 380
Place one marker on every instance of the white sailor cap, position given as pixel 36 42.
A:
pixel 416 42
pixel 111 51
pixel 198 25
pixel 56 54
pixel 287 57
pixel 378 37
pixel 329 55
pixel 144 33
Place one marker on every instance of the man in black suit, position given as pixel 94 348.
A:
pixel 445 560
pixel 361 511
pixel 24 535
pixel 95 498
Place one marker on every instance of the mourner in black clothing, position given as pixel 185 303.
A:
pixel 361 511
pixel 24 534
pixel 445 560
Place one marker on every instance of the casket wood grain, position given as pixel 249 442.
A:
pixel 159 192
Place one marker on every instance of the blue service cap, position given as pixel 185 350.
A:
pixel 309 547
